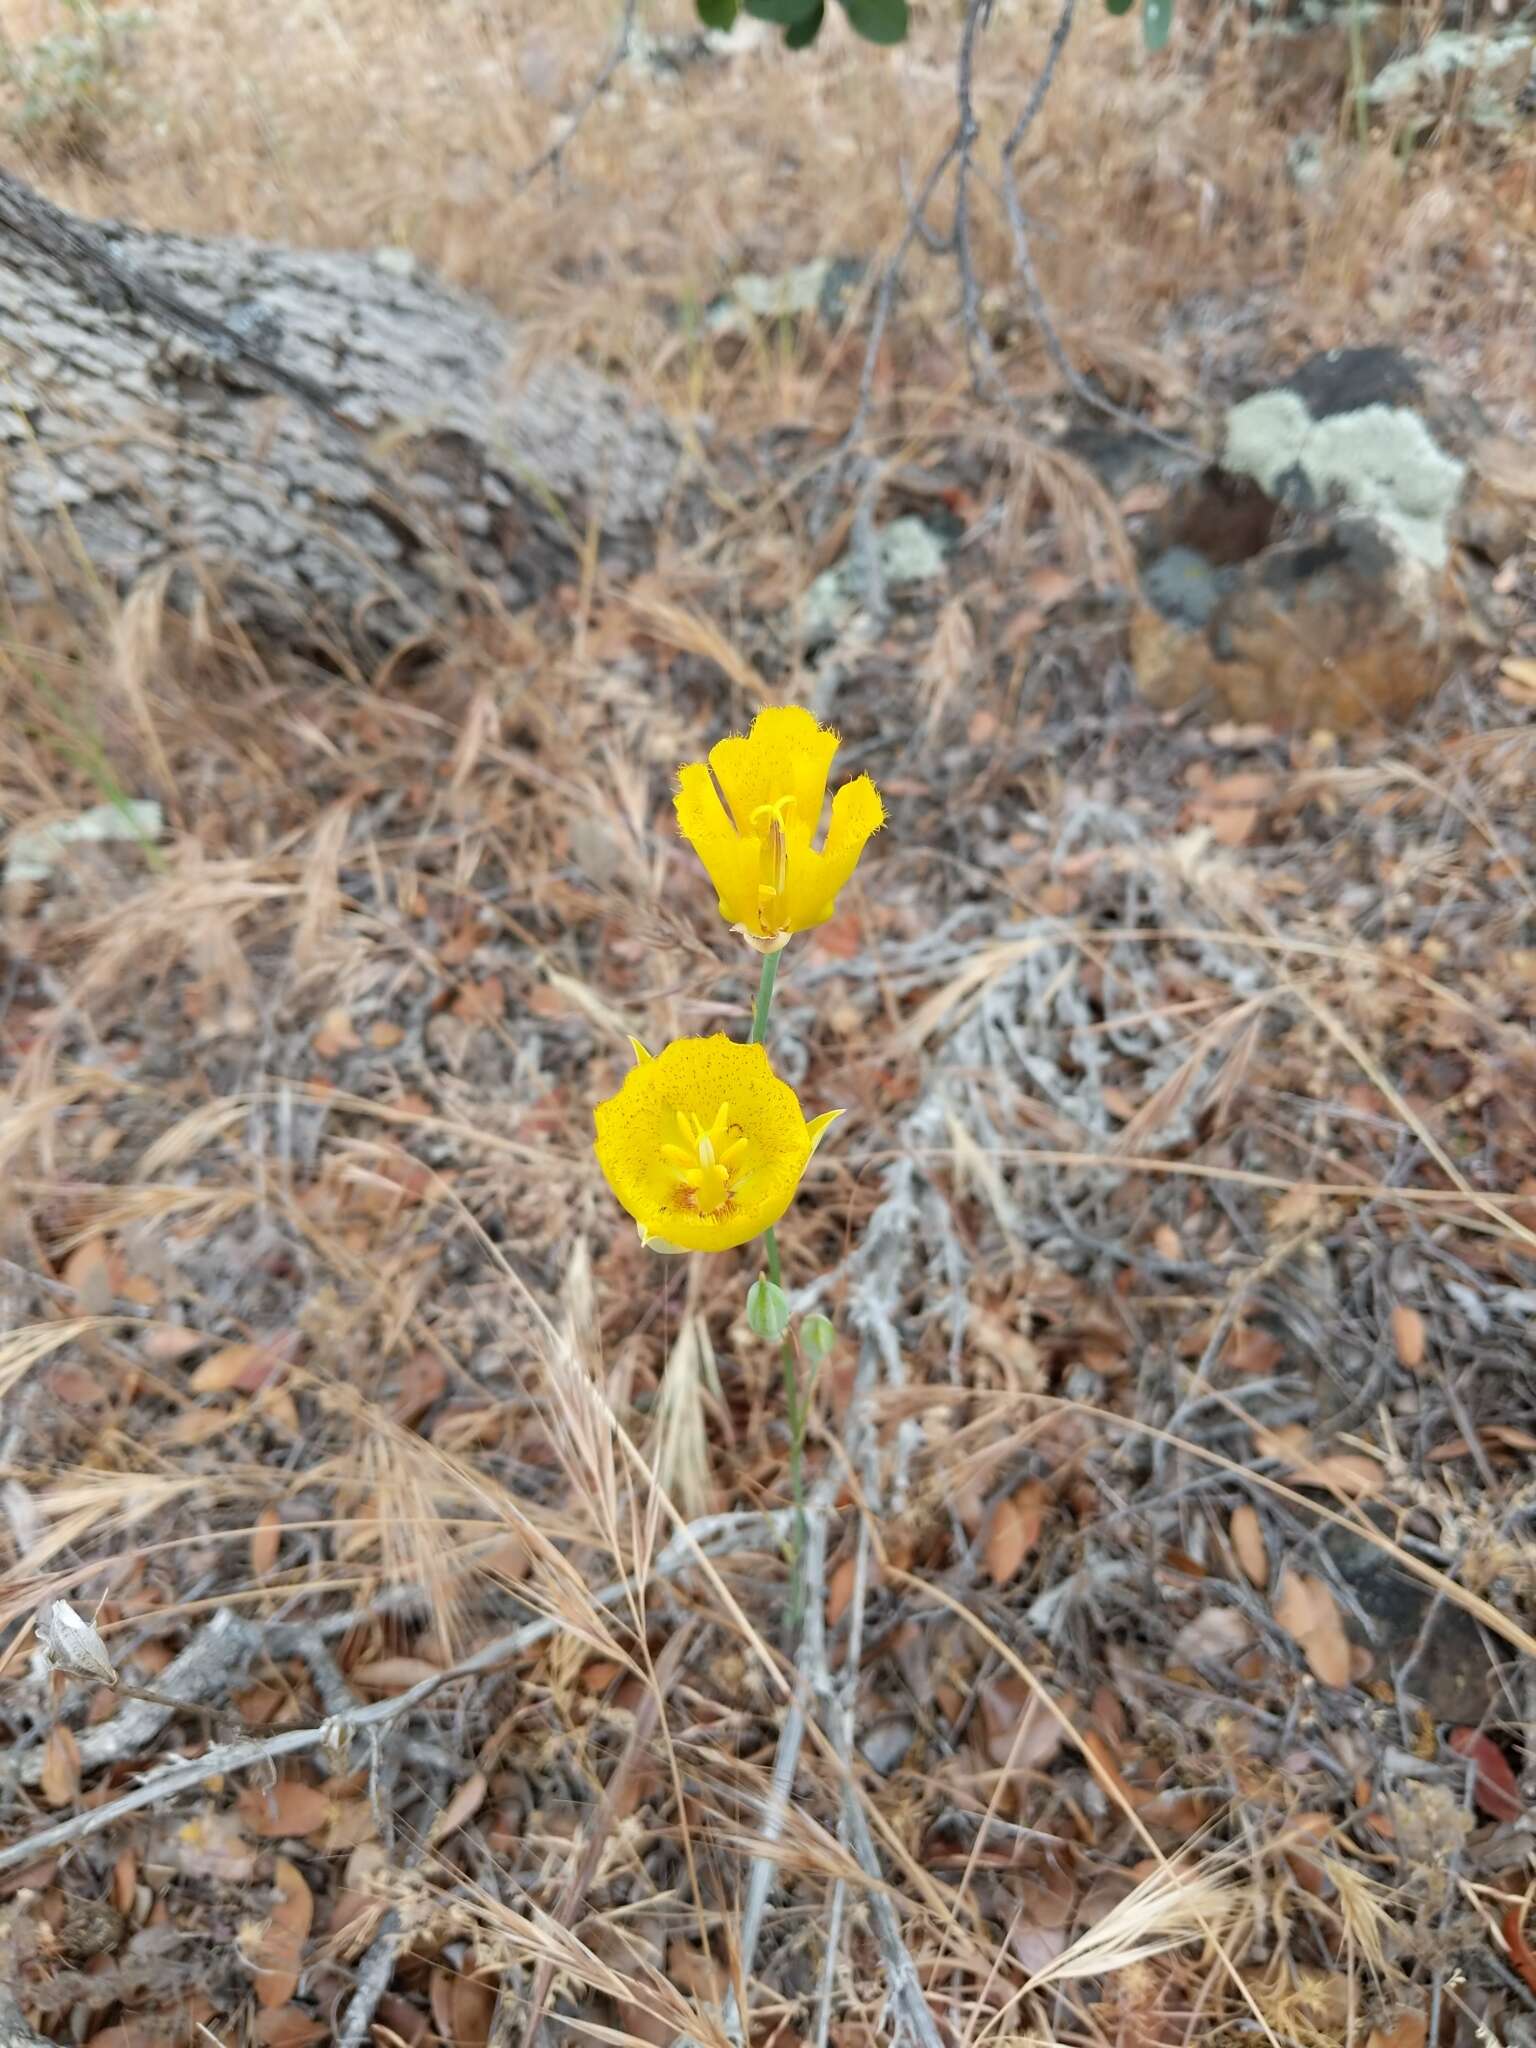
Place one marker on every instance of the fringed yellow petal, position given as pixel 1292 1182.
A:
pixel 641 1055
pixel 857 814
pixel 786 754
pixel 730 860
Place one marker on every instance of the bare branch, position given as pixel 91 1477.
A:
pixel 549 159
pixel 959 153
pixel 225 1760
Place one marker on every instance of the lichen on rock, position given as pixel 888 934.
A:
pixel 1381 461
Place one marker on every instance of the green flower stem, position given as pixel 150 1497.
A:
pixel 794 1409
pixel 764 1004
pixel 794 1412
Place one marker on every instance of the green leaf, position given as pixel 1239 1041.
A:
pixel 785 12
pixel 718 13
pixel 878 21
pixel 1118 6
pixel 804 33
pixel 1156 21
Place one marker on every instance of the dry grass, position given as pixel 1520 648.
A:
pixel 1216 1165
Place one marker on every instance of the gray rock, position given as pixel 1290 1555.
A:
pixel 1436 1650
pixel 1380 460
pixel 820 289
pixel 1183 584
pixel 36 852
pixel 1489 71
pixel 1307 577
pixel 910 553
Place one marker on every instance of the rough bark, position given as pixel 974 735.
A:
pixel 350 447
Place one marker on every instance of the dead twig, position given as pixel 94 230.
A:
pixel 206 1666
pixel 549 159
pixel 231 1758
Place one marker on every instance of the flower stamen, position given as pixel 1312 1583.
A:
pixel 705 1163
pixel 773 874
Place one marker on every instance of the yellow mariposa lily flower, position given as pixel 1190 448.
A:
pixel 704 1145
pixel 770 879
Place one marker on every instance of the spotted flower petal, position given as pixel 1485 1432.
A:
pixel 704 1145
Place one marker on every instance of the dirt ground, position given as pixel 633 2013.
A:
pixel 1168 1668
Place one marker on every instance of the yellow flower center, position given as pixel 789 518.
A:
pixel 773 867
pixel 706 1162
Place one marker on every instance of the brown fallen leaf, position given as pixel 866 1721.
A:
pixel 481 1002
pixel 1494 1785
pixel 1347 1472
pixel 1215 1636
pixel 1306 1609
pixel 462 2009
pixel 266 1541
pixel 1013 1531
pixel 642 2024
pixel 1304 1829
pixel 362 1899
pixel 166 1343
pixel 1409 2031
pixel 1021 1732
pixel 392 1674
pixel 1101 1761
pixel 699 1974
pixel 288 2026
pixel 238 1368
pixel 1248 1545
pixel 1232 806
pixel 1408 1336
pixel 1249 1350
pixel 74 1384
pixel 276 1946
pixel 351 1823
pixel 60 1780
pixel 462 1807
pixel 335 1035
pixel 421 1382
pixel 1050 586
pixel 289 1807
pixel 840 1588
pixel 88 1271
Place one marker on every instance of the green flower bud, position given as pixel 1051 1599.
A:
pixel 767 1308
pixel 817 1336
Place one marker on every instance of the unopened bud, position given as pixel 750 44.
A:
pixel 767 1308
pixel 71 1644
pixel 817 1336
